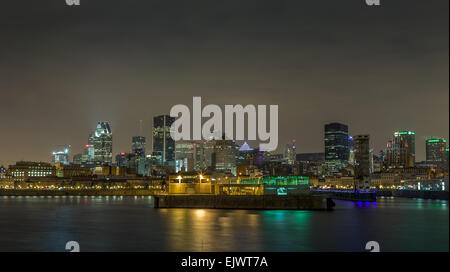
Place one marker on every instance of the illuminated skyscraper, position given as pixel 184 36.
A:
pixel 61 155
pixel 102 142
pixel 138 146
pixel 435 151
pixel 290 155
pixel 336 146
pixel 163 144
pixel 224 156
pixel 401 151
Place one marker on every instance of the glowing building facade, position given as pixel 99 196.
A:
pixel 163 144
pixel 336 146
pixel 435 151
pixel 102 143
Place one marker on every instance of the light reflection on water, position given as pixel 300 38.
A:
pixel 131 224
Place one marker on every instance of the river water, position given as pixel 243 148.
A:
pixel 132 224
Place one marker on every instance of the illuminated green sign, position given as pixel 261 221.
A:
pixel 436 141
pixel 405 132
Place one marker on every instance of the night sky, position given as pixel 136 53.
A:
pixel 377 69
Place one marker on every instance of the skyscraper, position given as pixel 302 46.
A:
pixel 336 146
pixel 186 155
pixel 163 144
pixel 362 162
pixel 290 153
pixel 138 146
pixel 224 156
pixel 435 151
pixel 401 151
pixel 102 142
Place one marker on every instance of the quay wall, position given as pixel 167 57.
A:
pixel 268 202
pixel 442 195
pixel 79 192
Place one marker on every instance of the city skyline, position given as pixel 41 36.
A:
pixel 279 150
pixel 360 66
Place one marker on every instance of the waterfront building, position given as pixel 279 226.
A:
pixel 102 143
pixel 362 162
pixel 61 155
pixel 336 146
pixel 3 172
pixel 63 171
pixel 401 151
pixel 163 144
pixel 435 151
pixel 22 171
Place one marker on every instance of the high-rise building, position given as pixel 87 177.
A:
pixel 401 151
pixel 188 156
pixel 224 156
pixel 102 142
pixel 138 146
pixel 362 162
pixel 163 144
pixel 336 146
pixel 290 153
pixel 61 155
pixel 435 151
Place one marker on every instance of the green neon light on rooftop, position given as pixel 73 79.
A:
pixel 436 140
pixel 405 132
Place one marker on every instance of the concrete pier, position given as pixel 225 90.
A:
pixel 268 202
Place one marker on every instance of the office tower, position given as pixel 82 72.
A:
pixel 224 156
pixel 290 153
pixel 163 144
pixel 187 156
pixel 351 150
pixel 61 155
pixel 102 142
pixel 336 146
pixel 138 146
pixel 401 151
pixel 435 151
pixel 362 162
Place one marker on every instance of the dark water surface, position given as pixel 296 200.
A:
pixel 131 224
